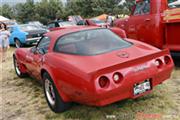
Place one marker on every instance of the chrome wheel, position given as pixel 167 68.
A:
pixel 17 67
pixel 49 91
pixel 17 43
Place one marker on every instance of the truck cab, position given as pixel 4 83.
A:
pixel 155 22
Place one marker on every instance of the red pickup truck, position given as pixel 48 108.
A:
pixel 156 22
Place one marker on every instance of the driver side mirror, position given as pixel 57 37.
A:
pixel 33 50
pixel 41 51
pixel 36 50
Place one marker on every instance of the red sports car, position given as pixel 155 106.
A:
pixel 93 66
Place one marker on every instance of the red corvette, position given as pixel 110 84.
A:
pixel 93 66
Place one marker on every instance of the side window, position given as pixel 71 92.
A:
pixel 82 22
pixel 57 24
pixel 51 25
pixel 142 8
pixel 44 44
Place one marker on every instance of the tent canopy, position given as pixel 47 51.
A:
pixel 102 17
pixel 3 19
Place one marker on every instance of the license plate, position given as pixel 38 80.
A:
pixel 142 87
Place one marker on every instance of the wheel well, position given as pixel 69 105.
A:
pixel 23 67
pixel 42 72
pixel 16 39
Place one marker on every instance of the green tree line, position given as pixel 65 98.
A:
pixel 48 10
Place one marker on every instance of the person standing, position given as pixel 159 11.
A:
pixel 4 41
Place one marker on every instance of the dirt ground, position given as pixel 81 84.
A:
pixel 23 99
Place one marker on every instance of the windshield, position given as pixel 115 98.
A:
pixel 98 22
pixel 28 27
pixel 174 3
pixel 37 23
pixel 66 24
pixel 90 42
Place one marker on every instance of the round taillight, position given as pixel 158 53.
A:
pixel 159 63
pixel 117 77
pixel 167 60
pixel 103 82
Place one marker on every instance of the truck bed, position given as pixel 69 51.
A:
pixel 172 29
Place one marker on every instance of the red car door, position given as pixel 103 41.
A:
pixel 140 23
pixel 35 59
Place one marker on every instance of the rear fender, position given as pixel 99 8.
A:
pixel 121 33
pixel 49 71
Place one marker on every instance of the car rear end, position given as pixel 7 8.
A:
pixel 33 37
pixel 108 69
pixel 131 79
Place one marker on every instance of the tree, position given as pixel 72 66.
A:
pixel 49 10
pixel 6 11
pixel 25 12
pixel 91 8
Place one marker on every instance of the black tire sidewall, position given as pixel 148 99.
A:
pixel 60 105
pixel 21 75
pixel 20 44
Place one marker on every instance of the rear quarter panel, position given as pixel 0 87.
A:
pixel 69 80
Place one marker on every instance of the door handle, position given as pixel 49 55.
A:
pixel 148 19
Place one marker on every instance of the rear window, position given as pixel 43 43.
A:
pixel 90 42
pixel 28 27
pixel 66 24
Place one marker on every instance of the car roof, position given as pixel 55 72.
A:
pixel 25 25
pixel 58 33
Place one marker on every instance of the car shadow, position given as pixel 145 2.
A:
pixel 176 61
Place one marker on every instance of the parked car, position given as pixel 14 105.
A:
pixel 25 34
pixel 93 66
pixel 37 24
pixel 155 22
pixel 93 22
pixel 60 24
pixel 75 19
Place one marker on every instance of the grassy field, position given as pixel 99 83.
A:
pixel 23 99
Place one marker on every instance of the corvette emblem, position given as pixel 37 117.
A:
pixel 123 54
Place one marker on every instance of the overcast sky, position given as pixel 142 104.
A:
pixel 13 2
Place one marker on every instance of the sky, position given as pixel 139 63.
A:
pixel 13 2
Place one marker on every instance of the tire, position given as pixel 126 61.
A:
pixel 52 96
pixel 17 68
pixel 18 43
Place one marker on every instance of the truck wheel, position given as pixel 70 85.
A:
pixel 18 43
pixel 18 69
pixel 52 96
